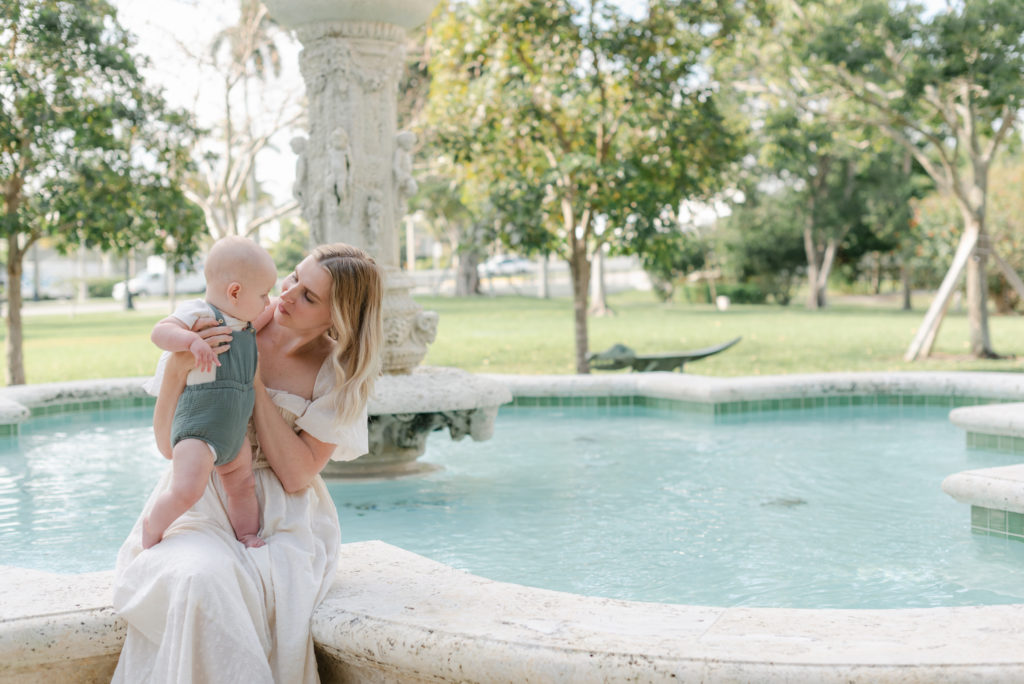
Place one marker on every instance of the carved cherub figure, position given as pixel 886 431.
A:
pixel 298 145
pixel 374 222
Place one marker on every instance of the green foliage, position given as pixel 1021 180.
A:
pixel 88 155
pixel 761 243
pixel 672 255
pixel 292 247
pixel 583 124
pixel 742 293
pixel 100 287
pixel 938 223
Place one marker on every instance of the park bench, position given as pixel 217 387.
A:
pixel 620 356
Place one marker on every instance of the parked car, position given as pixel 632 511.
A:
pixel 49 288
pixel 505 266
pixel 154 283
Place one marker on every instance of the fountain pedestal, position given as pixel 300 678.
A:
pixel 409 407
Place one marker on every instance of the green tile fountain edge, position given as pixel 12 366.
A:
pixel 996 523
pixel 757 405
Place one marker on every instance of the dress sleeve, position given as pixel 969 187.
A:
pixel 321 421
pixel 189 311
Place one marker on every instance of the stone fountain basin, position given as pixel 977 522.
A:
pixel 405 13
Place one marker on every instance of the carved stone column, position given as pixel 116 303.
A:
pixel 354 174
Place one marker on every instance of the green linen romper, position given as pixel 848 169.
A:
pixel 217 412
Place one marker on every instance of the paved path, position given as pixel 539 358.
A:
pixel 70 307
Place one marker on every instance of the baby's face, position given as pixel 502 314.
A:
pixel 254 295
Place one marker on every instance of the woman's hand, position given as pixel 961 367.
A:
pixel 217 336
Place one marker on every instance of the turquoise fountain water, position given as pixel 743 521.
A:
pixel 808 508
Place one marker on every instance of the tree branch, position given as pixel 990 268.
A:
pixel 283 210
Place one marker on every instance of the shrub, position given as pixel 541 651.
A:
pixel 101 287
pixel 742 293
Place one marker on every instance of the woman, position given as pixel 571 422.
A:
pixel 200 606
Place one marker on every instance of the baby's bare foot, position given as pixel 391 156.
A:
pixel 149 538
pixel 252 541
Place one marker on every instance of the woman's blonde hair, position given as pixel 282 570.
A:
pixel 356 324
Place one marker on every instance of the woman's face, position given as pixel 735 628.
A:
pixel 305 297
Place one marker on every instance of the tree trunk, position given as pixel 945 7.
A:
pixel 543 290
pixel 876 273
pixel 598 294
pixel 15 359
pixel 818 267
pixel 905 280
pixel 977 302
pixel 467 278
pixel 579 268
pixel 811 252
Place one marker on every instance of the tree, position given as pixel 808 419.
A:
pixel 241 54
pixel 672 255
pixel 88 155
pixel 938 217
pixel 580 115
pixel 948 88
pixel 762 241
pixel 459 216
pixel 457 211
pixel 803 142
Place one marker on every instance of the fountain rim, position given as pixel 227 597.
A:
pixel 407 14
pixel 444 622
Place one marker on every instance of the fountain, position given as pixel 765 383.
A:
pixel 353 181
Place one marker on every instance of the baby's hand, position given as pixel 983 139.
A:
pixel 204 355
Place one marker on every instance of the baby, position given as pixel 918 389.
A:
pixel 209 429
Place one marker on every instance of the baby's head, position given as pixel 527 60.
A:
pixel 239 277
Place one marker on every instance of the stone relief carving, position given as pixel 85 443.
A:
pixel 410 430
pixel 306 193
pixel 339 179
pixel 374 221
pixel 298 145
pixel 424 332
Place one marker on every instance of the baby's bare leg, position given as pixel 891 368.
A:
pixel 240 487
pixel 191 465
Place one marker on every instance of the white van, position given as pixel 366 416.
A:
pixel 155 284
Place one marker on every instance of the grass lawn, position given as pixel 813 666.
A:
pixel 523 335
pixel 531 336
pixel 92 345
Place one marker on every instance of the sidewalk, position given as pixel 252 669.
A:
pixel 55 307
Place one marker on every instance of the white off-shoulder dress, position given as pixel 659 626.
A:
pixel 201 607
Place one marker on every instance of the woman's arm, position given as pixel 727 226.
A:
pixel 173 384
pixel 295 458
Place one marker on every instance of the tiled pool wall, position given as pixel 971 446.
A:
pixel 996 523
pixel 989 442
pixel 726 408
pixel 119 406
